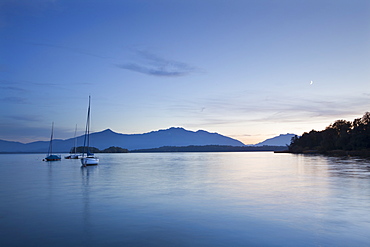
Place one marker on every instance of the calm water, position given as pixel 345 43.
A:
pixel 185 199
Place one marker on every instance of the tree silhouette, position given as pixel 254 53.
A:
pixel 341 135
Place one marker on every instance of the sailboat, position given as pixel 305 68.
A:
pixel 51 156
pixel 74 155
pixel 88 159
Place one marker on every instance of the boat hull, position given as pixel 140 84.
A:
pixel 53 157
pixel 73 156
pixel 88 161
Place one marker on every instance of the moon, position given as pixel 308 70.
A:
pixel 311 82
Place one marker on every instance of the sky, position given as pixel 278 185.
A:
pixel 247 69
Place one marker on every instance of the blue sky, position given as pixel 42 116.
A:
pixel 239 68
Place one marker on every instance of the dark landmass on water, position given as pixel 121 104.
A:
pixel 191 148
pixel 342 138
pixel 210 148
pixel 96 150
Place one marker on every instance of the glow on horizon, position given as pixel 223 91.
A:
pixel 239 69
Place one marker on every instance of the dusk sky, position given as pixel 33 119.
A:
pixel 249 70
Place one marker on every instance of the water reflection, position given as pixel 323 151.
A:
pixel 350 167
pixel 186 199
pixel 335 166
pixel 86 175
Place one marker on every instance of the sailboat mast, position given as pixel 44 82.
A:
pixel 87 130
pixel 51 140
pixel 88 126
pixel 89 159
pixel 75 139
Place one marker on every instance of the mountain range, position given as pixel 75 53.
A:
pixel 281 140
pixel 155 139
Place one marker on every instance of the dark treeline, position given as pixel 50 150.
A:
pixel 341 135
pixel 206 148
pixel 96 150
pixel 210 148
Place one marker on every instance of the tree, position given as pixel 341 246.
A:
pixel 342 135
pixel 342 129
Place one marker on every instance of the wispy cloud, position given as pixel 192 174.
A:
pixel 229 110
pixel 25 118
pixel 154 65
pixel 15 100
pixel 22 132
pixel 15 8
pixel 29 128
pixel 20 91
pixel 155 71
pixel 12 88
pixel 70 49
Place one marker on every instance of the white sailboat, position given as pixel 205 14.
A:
pixel 88 159
pixel 74 155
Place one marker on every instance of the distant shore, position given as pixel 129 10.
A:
pixel 210 148
pixel 166 149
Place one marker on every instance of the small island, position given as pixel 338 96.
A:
pixel 96 150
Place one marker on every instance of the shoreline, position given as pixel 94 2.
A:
pixel 352 153
pixel 167 149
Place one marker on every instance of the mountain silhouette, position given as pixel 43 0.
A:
pixel 281 140
pixel 175 137
pixel 168 137
pixel 107 138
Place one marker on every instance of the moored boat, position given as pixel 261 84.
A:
pixel 88 159
pixel 51 156
pixel 74 155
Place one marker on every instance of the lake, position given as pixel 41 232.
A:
pixel 185 199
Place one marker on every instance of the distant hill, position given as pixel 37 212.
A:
pixel 172 137
pixel 168 137
pixel 281 140
pixel 7 146
pixel 107 138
